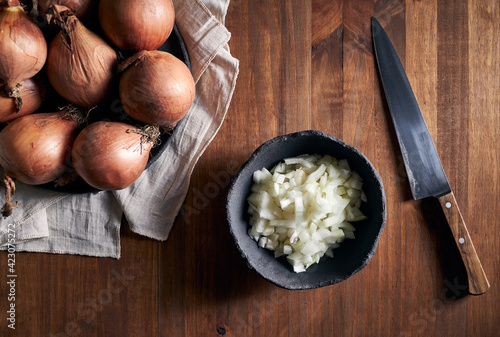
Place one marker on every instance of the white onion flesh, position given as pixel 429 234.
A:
pixel 304 206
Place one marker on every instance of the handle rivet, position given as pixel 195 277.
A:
pixel 461 241
pixel 448 204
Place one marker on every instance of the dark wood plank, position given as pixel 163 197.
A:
pixel 326 66
pixel 209 289
pixel 483 190
pixel 452 118
pixel 59 295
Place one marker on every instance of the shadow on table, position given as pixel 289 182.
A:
pixel 451 264
pixel 200 261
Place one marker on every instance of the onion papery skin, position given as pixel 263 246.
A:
pixel 83 73
pixel 33 94
pixel 79 7
pixel 108 156
pixel 137 25
pixel 35 149
pixel 23 49
pixel 156 88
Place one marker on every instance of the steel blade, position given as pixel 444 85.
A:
pixel 423 167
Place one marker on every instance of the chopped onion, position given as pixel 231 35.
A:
pixel 303 207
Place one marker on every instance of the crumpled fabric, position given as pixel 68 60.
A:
pixel 89 224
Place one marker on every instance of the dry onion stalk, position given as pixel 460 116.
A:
pixel 79 7
pixel 80 64
pixel 149 134
pixel 33 93
pixel 23 50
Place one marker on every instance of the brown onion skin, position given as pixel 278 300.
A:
pixel 23 49
pixel 157 99
pixel 36 148
pixel 33 94
pixel 108 157
pixel 137 25
pixel 79 7
pixel 82 75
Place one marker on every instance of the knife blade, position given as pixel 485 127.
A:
pixel 423 167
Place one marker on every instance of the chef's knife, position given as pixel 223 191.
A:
pixel 423 167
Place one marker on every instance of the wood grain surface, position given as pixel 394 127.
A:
pixel 309 64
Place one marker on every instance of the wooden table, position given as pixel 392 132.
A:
pixel 310 65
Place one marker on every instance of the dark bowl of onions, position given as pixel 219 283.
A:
pixel 306 210
pixel 111 109
pixel 91 99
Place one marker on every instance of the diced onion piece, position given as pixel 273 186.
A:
pixel 262 241
pixel 261 176
pixel 302 208
pixel 306 161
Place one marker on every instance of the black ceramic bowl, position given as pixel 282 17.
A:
pixel 351 256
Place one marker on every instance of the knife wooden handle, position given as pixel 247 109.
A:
pixel 478 283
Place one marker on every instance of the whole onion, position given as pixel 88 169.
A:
pixel 156 88
pixel 79 7
pixel 33 94
pixel 112 155
pixel 137 25
pixel 23 49
pixel 35 149
pixel 80 64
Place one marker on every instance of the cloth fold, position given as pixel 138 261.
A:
pixel 89 224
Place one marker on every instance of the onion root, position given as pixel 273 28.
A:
pixel 66 179
pixel 78 114
pixel 149 134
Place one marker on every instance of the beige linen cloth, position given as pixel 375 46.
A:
pixel 89 224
